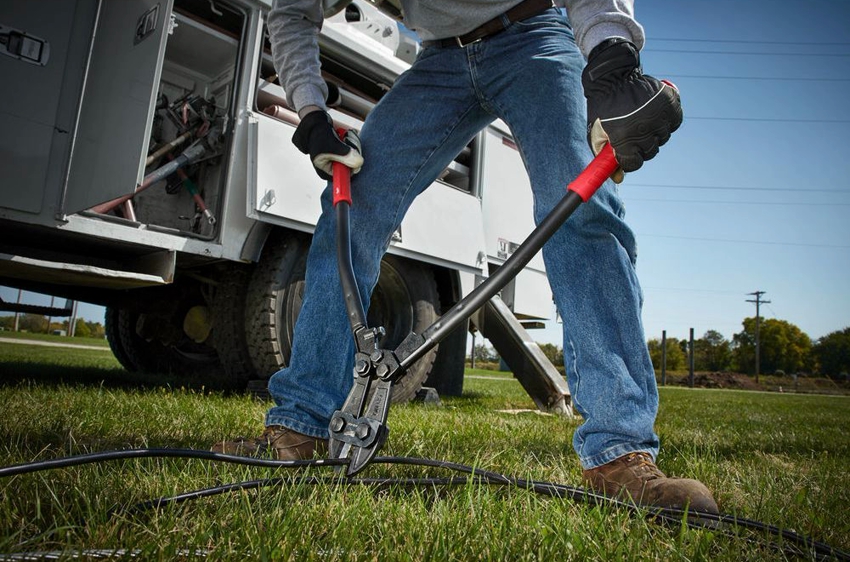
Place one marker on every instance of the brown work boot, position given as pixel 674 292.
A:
pixel 283 443
pixel 635 477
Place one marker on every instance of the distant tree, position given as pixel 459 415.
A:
pixel 7 322
pixel 483 352
pixel 553 353
pixel 81 329
pixel 783 347
pixel 32 323
pixel 676 358
pixel 96 330
pixel 712 352
pixel 832 353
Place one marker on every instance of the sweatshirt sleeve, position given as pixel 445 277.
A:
pixel 594 21
pixel 294 31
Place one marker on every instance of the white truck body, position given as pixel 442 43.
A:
pixel 90 89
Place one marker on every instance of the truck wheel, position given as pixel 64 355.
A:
pixel 404 300
pixel 273 302
pixel 228 333
pixel 136 354
pixel 112 327
pixel 447 374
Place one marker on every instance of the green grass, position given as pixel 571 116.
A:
pixel 76 340
pixel 779 458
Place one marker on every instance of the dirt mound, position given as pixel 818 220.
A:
pixel 719 380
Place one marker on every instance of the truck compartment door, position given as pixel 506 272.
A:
pixel 30 90
pixel 116 113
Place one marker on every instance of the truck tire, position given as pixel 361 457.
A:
pixel 136 354
pixel 273 300
pixel 405 300
pixel 228 333
pixel 447 374
pixel 133 352
pixel 112 328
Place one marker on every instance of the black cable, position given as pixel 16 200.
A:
pixel 800 544
pixel 268 482
pixel 77 460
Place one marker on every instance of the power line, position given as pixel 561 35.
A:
pixel 770 203
pixel 748 53
pixel 765 78
pixel 755 42
pixel 740 188
pixel 737 241
pixel 690 290
pixel 765 119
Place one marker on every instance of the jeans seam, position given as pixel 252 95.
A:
pixel 612 454
pixel 297 426
pixel 574 391
pixel 473 77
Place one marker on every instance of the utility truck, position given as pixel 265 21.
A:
pixel 146 165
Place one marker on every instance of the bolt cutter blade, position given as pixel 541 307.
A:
pixel 358 436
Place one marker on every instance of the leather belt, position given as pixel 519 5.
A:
pixel 523 10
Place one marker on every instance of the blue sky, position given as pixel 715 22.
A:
pixel 752 192
pixel 774 129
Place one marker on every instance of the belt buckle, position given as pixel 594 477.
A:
pixel 461 44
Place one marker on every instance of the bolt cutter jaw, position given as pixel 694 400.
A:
pixel 359 429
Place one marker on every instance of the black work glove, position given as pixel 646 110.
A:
pixel 315 136
pixel 634 112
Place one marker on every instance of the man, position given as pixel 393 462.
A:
pixel 521 61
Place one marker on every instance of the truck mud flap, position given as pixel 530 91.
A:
pixel 543 383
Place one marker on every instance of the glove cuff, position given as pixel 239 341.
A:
pixel 615 56
pixel 301 138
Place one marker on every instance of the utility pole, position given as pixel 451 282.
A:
pixel 691 359
pixel 50 318
pixel 472 361
pixel 72 321
pixel 17 314
pixel 758 300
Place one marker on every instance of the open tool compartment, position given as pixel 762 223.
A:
pixel 192 116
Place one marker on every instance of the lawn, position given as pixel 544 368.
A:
pixel 76 340
pixel 778 458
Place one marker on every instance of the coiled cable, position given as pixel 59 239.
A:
pixel 791 542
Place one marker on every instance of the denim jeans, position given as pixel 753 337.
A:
pixel 528 76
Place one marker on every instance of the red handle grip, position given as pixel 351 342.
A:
pixel 592 177
pixel 342 176
pixel 342 183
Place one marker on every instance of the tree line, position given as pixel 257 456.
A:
pixel 37 323
pixel 784 349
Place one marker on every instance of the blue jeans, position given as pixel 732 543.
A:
pixel 528 76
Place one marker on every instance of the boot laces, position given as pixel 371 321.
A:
pixel 643 465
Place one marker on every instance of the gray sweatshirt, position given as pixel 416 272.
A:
pixel 294 27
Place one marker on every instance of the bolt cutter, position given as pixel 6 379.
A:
pixel 359 428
